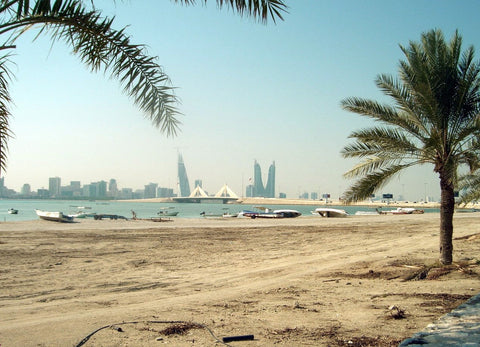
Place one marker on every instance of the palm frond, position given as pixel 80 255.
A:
pixel 99 46
pixel 388 140
pixel 258 9
pixel 469 186
pixel 370 183
pixel 5 100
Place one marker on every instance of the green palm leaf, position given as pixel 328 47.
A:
pixel 260 9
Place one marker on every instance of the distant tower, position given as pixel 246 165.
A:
pixel 54 184
pixel 270 188
pixel 258 188
pixel 113 187
pixel 182 177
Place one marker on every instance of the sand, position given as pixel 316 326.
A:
pixel 309 281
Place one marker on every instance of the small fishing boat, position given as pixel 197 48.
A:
pixel 166 212
pixel 54 216
pixel 12 211
pixel 211 214
pixel 288 213
pixel 368 213
pixel 404 210
pixel 330 212
pixel 265 212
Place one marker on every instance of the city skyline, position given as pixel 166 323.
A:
pixel 254 188
pixel 262 91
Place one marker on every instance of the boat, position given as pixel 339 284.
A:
pixel 229 215
pixel 54 216
pixel 330 212
pixel 83 214
pixel 368 213
pixel 12 211
pixel 211 214
pixel 265 212
pixel 404 210
pixel 164 212
pixel 288 213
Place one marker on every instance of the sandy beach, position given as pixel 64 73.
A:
pixel 309 281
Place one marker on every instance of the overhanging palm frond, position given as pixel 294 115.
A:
pixel 386 140
pixel 5 100
pixel 386 114
pixel 259 9
pixel 370 183
pixel 469 185
pixel 99 46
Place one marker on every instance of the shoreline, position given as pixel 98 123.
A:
pixel 277 201
pixel 289 282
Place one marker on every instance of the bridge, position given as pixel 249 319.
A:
pixel 224 196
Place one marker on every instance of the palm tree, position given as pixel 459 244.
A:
pixel 434 119
pixel 100 47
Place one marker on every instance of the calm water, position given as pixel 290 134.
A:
pixel 26 208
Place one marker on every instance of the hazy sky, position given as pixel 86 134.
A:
pixel 248 91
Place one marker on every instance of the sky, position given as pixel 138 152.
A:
pixel 248 92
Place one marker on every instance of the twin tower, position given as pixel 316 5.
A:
pixel 253 190
pixel 259 189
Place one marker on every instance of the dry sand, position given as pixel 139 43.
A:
pixel 292 282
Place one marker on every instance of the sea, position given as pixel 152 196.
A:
pixel 26 208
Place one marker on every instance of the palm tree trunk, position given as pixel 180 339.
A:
pixel 447 205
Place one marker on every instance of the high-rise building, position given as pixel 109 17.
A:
pixel 258 188
pixel 164 192
pixel 102 189
pixel 270 188
pixel 198 183
pixel 183 178
pixel 113 188
pixel 26 189
pixel 54 184
pixel 151 190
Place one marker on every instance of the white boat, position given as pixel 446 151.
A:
pixel 12 211
pixel 404 210
pixel 288 213
pixel 164 212
pixel 265 212
pixel 330 212
pixel 54 216
pixel 368 213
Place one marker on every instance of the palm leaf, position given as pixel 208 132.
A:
pixel 370 183
pixel 5 100
pixel 259 9
pixel 101 47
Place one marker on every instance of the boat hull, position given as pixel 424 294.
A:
pixel 331 212
pixel 54 216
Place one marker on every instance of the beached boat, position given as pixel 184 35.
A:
pixel 211 214
pixel 265 212
pixel 12 211
pixel 83 214
pixel 288 213
pixel 54 216
pixel 330 212
pixel 166 212
pixel 368 213
pixel 404 210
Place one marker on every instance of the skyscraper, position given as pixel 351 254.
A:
pixel 258 188
pixel 54 184
pixel 182 178
pixel 270 188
